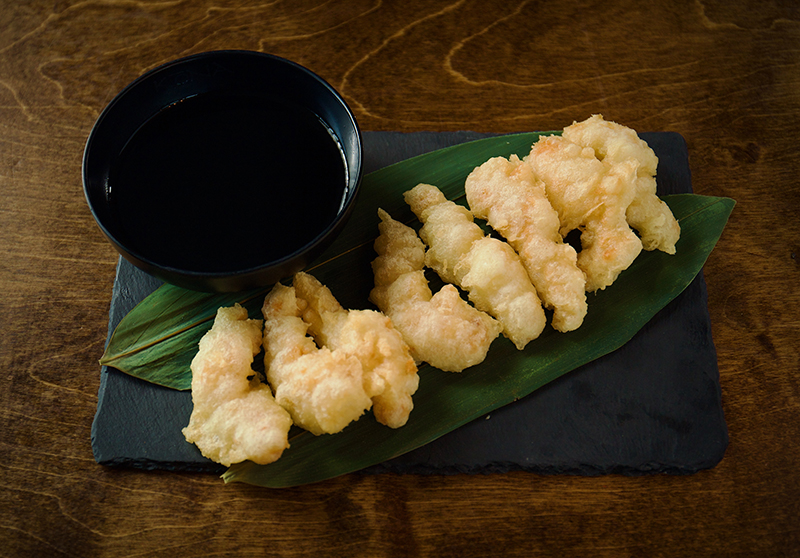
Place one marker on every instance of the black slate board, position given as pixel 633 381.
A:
pixel 653 406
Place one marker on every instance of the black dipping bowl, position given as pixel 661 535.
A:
pixel 131 197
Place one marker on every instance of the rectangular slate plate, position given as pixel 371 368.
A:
pixel 653 406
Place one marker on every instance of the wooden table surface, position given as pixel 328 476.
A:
pixel 726 75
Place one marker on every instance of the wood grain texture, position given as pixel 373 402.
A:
pixel 726 75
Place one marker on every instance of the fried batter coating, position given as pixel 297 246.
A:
pixel 390 374
pixel 593 197
pixel 234 418
pixel 508 196
pixel 486 267
pixel 442 329
pixel 322 389
pixel 448 230
pixel 614 144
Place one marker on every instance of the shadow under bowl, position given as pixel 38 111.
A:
pixel 223 171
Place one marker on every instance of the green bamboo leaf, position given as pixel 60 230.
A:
pixel 157 340
pixel 446 401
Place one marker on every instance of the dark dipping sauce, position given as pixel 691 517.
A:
pixel 220 183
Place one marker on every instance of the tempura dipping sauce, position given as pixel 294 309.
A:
pixel 223 171
pixel 221 182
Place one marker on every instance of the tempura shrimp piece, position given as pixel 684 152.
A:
pixel 508 196
pixel 322 389
pixel 486 267
pixel 390 374
pixel 442 329
pixel 592 197
pixel 234 418
pixel 614 144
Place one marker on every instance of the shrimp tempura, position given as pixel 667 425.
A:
pixel 390 375
pixel 615 144
pixel 486 267
pixel 442 329
pixel 507 195
pixel 234 418
pixel 592 197
pixel 323 390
